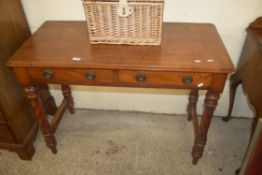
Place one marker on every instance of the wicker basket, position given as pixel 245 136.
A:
pixel 135 22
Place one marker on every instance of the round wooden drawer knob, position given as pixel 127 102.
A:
pixel 140 77
pixel 187 79
pixel 48 74
pixel 90 76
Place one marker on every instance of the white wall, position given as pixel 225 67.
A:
pixel 230 16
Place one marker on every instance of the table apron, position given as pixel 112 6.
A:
pixel 121 78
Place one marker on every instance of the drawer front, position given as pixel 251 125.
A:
pixel 5 135
pixel 72 76
pixel 165 79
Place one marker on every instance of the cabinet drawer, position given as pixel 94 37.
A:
pixel 5 135
pixel 72 76
pixel 165 79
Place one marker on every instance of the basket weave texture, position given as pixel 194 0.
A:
pixel 142 27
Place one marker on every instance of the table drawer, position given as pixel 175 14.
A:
pixel 5 135
pixel 165 79
pixel 72 76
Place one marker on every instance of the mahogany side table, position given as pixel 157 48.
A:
pixel 192 56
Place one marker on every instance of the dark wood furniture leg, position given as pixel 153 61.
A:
pixel 68 96
pixel 192 110
pixel 33 94
pixel 235 81
pixel 47 99
pixel 67 102
pixel 26 150
pixel 202 129
pixel 192 102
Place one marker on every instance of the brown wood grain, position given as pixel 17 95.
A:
pixel 255 159
pixel 192 56
pixel 14 31
pixel 2 119
pixel 248 73
pixel 123 77
pixel 71 76
pixel 60 41
pixel 59 114
pixel 5 135
pixel 164 79
pixel 17 117
pixel 67 93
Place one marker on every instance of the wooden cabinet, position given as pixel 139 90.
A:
pixel 249 71
pixel 253 159
pixel 17 122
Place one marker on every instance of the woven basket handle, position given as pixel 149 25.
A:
pixel 124 9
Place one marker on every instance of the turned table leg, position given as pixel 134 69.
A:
pixel 192 102
pixel 201 133
pixel 235 81
pixel 68 95
pixel 33 94
pixel 47 99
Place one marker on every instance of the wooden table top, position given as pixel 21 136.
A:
pixel 185 47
